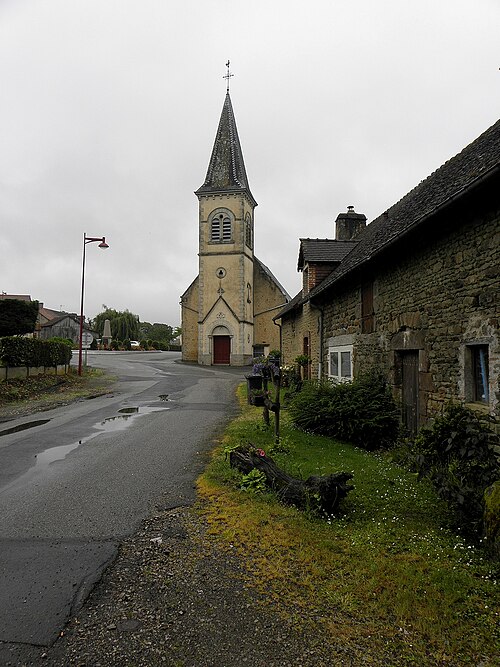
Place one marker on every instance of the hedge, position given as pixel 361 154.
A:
pixel 32 352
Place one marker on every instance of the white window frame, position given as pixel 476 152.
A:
pixel 337 352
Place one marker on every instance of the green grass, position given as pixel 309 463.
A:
pixel 385 576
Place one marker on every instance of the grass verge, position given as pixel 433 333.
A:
pixel 42 392
pixel 385 578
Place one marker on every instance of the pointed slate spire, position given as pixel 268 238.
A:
pixel 226 170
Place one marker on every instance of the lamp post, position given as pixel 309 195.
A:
pixel 102 244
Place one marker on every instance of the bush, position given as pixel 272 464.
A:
pixel 32 352
pixel 362 412
pixel 460 455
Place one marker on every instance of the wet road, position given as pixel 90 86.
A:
pixel 76 480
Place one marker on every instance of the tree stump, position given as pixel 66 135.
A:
pixel 319 493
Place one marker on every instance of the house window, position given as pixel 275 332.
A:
pixel 480 374
pixel 367 310
pixel 340 363
pixel 220 230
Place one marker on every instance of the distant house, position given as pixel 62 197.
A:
pixel 419 295
pixel 52 323
pixel 65 325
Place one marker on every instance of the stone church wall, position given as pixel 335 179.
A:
pixel 189 305
pixel 267 299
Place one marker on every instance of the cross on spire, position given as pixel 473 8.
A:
pixel 228 75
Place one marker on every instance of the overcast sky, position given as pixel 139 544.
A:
pixel 109 110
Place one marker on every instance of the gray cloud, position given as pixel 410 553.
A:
pixel 110 109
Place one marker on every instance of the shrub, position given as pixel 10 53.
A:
pixel 115 344
pixel 460 455
pixel 32 352
pixel 362 412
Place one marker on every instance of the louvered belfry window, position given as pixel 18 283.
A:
pixel 220 230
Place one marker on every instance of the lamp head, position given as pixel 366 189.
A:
pixel 103 243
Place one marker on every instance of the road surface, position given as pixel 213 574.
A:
pixel 77 479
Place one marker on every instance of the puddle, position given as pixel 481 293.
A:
pixel 117 422
pixel 44 459
pixel 23 427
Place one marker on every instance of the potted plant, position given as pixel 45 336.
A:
pixel 257 397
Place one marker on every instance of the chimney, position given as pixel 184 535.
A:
pixel 349 225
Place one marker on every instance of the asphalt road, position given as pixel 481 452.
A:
pixel 73 486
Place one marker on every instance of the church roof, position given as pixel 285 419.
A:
pixel 267 271
pixel 226 170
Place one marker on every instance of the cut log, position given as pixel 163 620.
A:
pixel 319 493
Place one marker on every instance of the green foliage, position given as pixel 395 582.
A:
pixel 124 324
pixel 58 339
pixel 32 352
pixel 460 455
pixel 254 482
pixel 115 345
pixel 17 317
pixel 126 344
pixel 163 333
pixel 302 360
pixel 362 412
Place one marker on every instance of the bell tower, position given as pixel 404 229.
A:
pixel 226 259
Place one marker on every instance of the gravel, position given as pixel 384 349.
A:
pixel 175 596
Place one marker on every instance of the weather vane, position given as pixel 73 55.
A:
pixel 228 75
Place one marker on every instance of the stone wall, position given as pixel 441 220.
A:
pixel 189 307
pixel 267 302
pixel 437 294
pixel 299 324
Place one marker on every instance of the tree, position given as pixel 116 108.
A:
pixel 17 317
pixel 163 333
pixel 124 324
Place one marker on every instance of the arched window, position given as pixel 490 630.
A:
pixel 248 231
pixel 221 229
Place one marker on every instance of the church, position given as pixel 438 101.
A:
pixel 227 311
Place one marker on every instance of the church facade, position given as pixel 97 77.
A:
pixel 227 311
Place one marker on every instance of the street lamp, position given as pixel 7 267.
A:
pixel 102 244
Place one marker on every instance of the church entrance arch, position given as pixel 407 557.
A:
pixel 221 346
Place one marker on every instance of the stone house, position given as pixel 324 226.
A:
pixel 227 310
pixel 300 321
pixel 419 295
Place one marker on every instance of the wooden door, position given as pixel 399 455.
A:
pixel 409 385
pixel 222 350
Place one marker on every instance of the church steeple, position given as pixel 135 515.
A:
pixel 226 171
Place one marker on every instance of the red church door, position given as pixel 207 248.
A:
pixel 222 350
